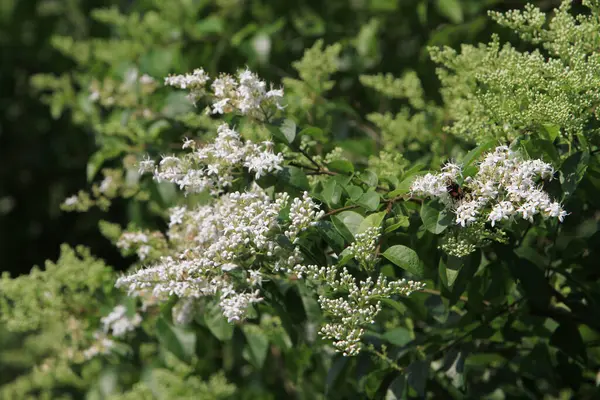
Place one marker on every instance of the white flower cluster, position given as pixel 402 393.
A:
pixel 137 240
pixel 304 213
pixel 237 233
pixel 102 345
pixel 363 247
pixel 505 187
pixel 351 313
pixel 245 93
pixel 119 323
pixel 194 82
pixel 183 311
pixel 214 166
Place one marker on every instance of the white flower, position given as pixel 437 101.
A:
pixel 105 185
pixel 146 79
pixel 500 211
pixel 467 212
pixel 119 323
pixel 71 200
pixel 176 215
pixel 430 185
pixel 505 186
pixel 213 166
pixel 229 267
pixel 303 214
pixel 146 165
pixel 218 106
pixel 213 240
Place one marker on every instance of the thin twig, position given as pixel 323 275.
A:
pixel 337 210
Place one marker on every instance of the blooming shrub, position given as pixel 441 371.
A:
pixel 289 262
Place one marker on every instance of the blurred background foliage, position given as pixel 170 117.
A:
pixel 44 152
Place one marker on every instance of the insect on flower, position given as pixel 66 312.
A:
pixel 454 189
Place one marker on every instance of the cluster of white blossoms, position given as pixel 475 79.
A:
pixel 215 165
pixel 119 323
pixel 505 187
pixel 138 240
pixel 363 249
pixel 101 345
pixel 356 308
pixel 303 214
pixel 223 250
pixel 245 92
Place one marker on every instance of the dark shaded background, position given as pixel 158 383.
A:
pixel 43 160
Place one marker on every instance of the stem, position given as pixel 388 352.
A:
pixel 337 210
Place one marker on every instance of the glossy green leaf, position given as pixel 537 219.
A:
pixel 371 221
pixel 342 166
pixel 179 341
pixel 332 192
pixel 572 171
pixel 294 176
pixel 417 374
pixel 349 220
pixel 435 216
pixel 451 9
pixel 369 200
pixel 406 258
pixel 392 224
pixel 216 323
pixel 257 345
pixel 398 336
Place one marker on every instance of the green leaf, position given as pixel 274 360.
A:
pixel 349 220
pixel 476 153
pixel 293 176
pixel 332 192
pixel 288 129
pixel 158 61
pixel 451 9
pixel 396 305
pixel 449 271
pixel 332 236
pixel 417 374
pixel 567 338
pixel 217 324
pixel 406 259
pixel 572 171
pixel 550 131
pixel 397 389
pixel 435 216
pixel 371 221
pixel 354 192
pixel 258 345
pixel 343 166
pixel 336 369
pixel 531 278
pixel 311 307
pixel 346 256
pixel 369 200
pixel 398 336
pixel 315 133
pixel 110 150
pixel 369 178
pixel 181 342
pixel 207 26
pixel 400 221
pixel 544 149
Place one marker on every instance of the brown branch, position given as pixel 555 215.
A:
pixel 337 210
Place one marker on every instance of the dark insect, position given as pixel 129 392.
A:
pixel 455 191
